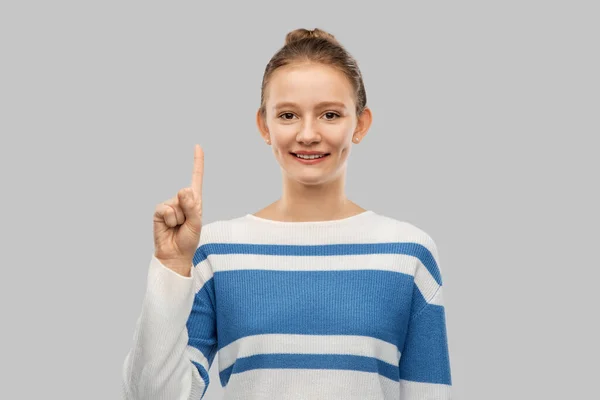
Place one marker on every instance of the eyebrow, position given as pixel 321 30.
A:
pixel 321 104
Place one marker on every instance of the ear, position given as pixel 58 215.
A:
pixel 363 124
pixel 261 124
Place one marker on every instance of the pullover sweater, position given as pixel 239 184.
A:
pixel 343 309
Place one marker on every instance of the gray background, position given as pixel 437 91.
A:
pixel 485 135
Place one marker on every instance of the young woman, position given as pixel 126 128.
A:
pixel 312 297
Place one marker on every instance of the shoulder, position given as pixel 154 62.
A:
pixel 213 233
pixel 419 244
pixel 393 229
pixel 222 230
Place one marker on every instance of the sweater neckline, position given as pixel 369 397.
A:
pixel 311 223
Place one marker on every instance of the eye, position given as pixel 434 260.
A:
pixel 332 113
pixel 288 114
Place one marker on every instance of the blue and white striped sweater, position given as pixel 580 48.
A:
pixel 346 309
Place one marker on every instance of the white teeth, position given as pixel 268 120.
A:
pixel 311 157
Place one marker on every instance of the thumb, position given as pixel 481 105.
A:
pixel 191 209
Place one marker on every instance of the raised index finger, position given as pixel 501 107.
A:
pixel 198 171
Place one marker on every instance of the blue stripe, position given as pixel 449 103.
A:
pixel 425 356
pixel 204 375
pixel 373 303
pixel 409 248
pixel 417 304
pixel 201 323
pixel 311 361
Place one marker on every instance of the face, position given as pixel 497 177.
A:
pixel 310 108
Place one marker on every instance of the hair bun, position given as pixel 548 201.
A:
pixel 301 33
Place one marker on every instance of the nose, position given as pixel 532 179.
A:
pixel 308 133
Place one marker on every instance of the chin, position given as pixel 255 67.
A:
pixel 309 176
pixel 311 182
pixel 312 179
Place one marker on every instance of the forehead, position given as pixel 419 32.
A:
pixel 308 83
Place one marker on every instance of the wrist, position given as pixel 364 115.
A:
pixel 182 267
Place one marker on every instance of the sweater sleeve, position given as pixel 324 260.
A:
pixel 425 363
pixel 174 341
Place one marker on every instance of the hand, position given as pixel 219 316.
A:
pixel 178 222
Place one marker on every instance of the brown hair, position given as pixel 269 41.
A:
pixel 318 46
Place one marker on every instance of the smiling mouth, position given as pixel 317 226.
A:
pixel 310 156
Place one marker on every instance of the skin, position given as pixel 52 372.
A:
pixel 311 192
pixel 177 222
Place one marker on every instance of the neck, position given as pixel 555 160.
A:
pixel 328 201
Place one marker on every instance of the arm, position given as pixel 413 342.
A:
pixel 175 341
pixel 424 363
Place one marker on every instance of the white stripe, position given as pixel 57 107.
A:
pixel 308 344
pixel 418 391
pixel 426 283
pixel 201 273
pixel 438 299
pixel 196 355
pixel 386 262
pixel 308 384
